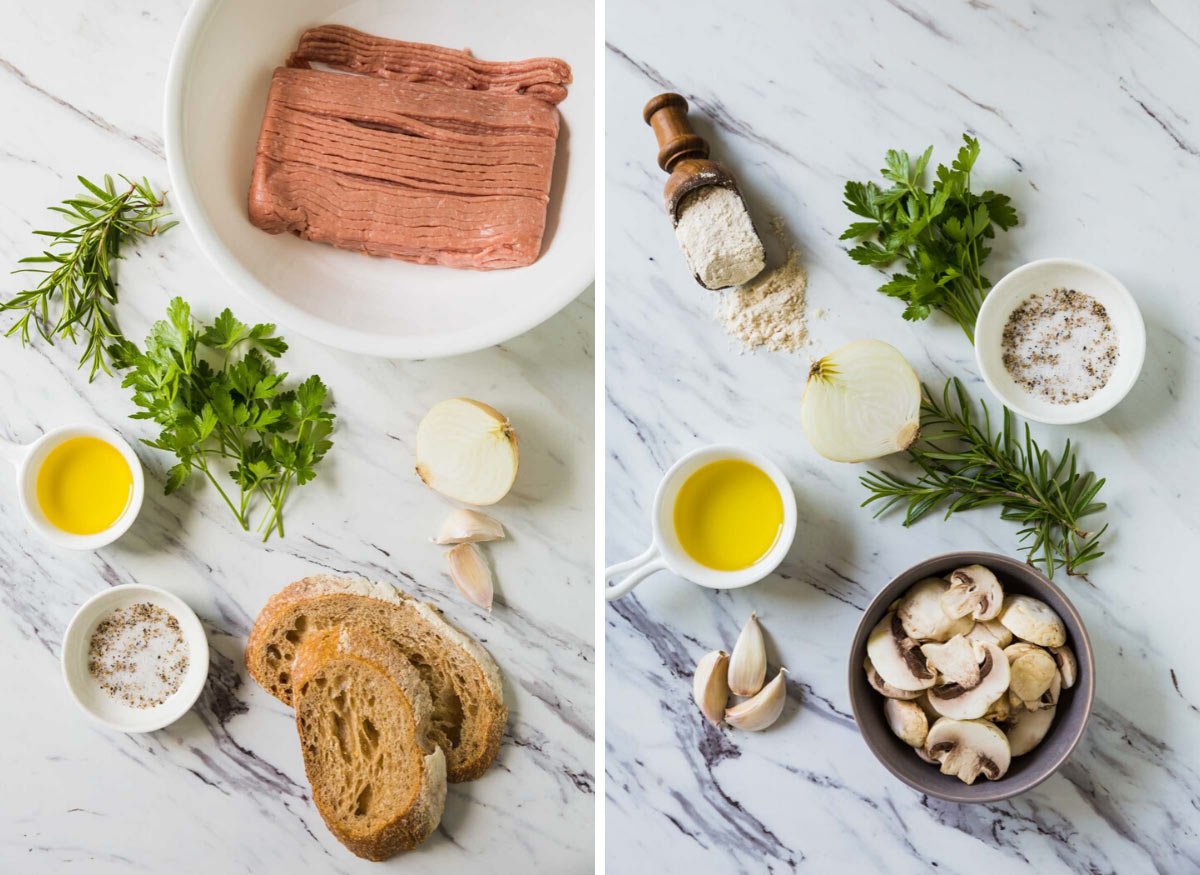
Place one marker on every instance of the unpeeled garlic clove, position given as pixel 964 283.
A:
pixel 710 686
pixel 469 527
pixel 764 709
pixel 748 665
pixel 471 574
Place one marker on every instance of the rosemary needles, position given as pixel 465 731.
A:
pixel 74 300
pixel 966 466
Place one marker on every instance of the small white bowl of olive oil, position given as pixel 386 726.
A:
pixel 79 486
pixel 723 517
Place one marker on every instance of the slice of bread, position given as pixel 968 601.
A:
pixel 362 712
pixel 468 702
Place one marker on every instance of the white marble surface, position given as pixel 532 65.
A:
pixel 1089 117
pixel 223 790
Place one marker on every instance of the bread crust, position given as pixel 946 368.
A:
pixel 334 600
pixel 410 827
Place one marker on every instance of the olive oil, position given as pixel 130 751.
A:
pixel 728 515
pixel 84 485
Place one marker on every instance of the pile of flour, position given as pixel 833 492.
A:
pixel 769 312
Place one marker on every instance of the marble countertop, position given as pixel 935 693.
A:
pixel 1088 116
pixel 223 790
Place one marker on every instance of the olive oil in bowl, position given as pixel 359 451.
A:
pixel 84 486
pixel 728 515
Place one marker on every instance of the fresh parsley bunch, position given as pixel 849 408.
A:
pixel 939 235
pixel 215 392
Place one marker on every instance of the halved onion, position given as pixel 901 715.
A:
pixel 862 401
pixel 467 451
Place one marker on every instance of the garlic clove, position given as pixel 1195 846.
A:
pixel 758 713
pixel 748 665
pixel 469 527
pixel 467 451
pixel 471 574
pixel 710 685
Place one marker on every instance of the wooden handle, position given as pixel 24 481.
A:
pixel 667 115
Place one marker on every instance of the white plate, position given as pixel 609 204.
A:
pixel 1043 276
pixel 216 92
pixel 86 692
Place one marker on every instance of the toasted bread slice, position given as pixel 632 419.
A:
pixel 468 703
pixel 362 712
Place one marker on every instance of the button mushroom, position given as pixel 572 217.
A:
pixel 898 658
pixel 922 616
pixel 990 632
pixel 969 703
pixel 1064 657
pixel 907 721
pixel 1031 671
pixel 955 661
pixel 975 592
pixel 1028 729
pixel 968 749
pixel 1033 620
pixel 882 687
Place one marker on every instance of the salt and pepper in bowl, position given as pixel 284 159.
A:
pixel 711 221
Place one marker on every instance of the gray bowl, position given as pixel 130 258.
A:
pixel 1026 772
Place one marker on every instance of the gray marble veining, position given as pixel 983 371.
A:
pixel 223 790
pixel 1089 117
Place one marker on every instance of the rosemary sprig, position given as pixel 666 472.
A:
pixel 965 466
pixel 80 273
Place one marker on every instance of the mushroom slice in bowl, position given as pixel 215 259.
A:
pixel 882 687
pixel 969 703
pixel 1027 730
pixel 974 592
pixel 1031 670
pixel 1065 658
pixel 897 657
pixel 968 749
pixel 955 661
pixel 1033 620
pixel 990 632
pixel 907 721
pixel 921 613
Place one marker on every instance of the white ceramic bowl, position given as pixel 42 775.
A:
pixel 1043 276
pixel 27 461
pixel 665 553
pixel 216 92
pixel 87 693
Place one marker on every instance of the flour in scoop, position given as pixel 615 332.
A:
pixel 1060 346
pixel 718 238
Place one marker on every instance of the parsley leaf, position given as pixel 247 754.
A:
pixel 222 410
pixel 939 235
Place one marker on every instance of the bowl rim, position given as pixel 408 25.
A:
pixel 1081 648
pixel 1070 414
pixel 468 340
pixel 178 704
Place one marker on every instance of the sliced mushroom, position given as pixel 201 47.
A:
pixel 930 711
pixel 921 612
pixel 1031 671
pixel 990 632
pixel 1049 699
pixel 1000 711
pixel 1033 620
pixel 920 751
pixel 968 749
pixel 1064 657
pixel 1028 729
pixel 882 687
pixel 955 661
pixel 975 592
pixel 898 658
pixel 907 721
pixel 962 703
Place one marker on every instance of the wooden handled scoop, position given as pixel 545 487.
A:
pixel 684 154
